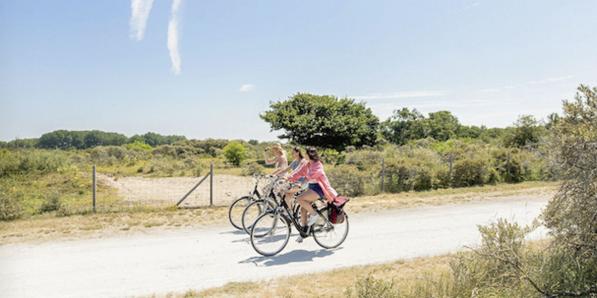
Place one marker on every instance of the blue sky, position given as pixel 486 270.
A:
pixel 79 65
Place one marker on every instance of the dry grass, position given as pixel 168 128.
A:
pixel 419 277
pixel 405 275
pixel 47 226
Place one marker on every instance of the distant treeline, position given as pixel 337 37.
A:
pixel 83 139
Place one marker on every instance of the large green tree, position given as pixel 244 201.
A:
pixel 404 125
pixel 442 125
pixel 527 132
pixel 323 121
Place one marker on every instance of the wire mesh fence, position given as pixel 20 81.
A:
pixel 168 191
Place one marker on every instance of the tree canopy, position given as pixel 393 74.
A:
pixel 323 121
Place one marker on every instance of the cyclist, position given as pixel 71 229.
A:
pixel 318 186
pixel 294 166
pixel 278 159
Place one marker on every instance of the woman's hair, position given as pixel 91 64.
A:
pixel 278 147
pixel 312 153
pixel 298 150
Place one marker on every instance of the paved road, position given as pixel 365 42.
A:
pixel 162 262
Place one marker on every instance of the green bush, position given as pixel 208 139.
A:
pixel 253 168
pixel 348 180
pixel 235 153
pixel 411 169
pixel 508 165
pixel 24 162
pixel 471 171
pixel 51 203
pixel 365 159
pixel 10 207
pixel 138 146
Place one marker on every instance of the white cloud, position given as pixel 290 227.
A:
pixel 404 94
pixel 140 10
pixel 247 88
pixel 173 37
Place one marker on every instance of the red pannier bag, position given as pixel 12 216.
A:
pixel 336 213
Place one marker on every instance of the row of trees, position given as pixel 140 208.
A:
pixel 331 122
pixel 84 139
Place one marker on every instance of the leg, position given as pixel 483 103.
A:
pixel 305 200
pixel 303 217
pixel 289 197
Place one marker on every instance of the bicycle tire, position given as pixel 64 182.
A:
pixel 233 206
pixel 276 217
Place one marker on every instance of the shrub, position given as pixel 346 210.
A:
pixel 365 159
pixel 10 207
pixel 23 162
pixel 235 153
pixel 331 156
pixel 371 287
pixel 412 168
pixel 348 180
pixel 509 166
pixel 52 203
pixel 470 171
pixel 138 146
pixel 253 168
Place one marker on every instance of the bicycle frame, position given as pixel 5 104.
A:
pixel 288 216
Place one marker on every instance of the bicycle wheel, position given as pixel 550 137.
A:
pixel 329 235
pixel 253 211
pixel 235 212
pixel 275 238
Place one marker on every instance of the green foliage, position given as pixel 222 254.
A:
pixel 21 143
pixel 403 126
pixel 470 171
pixel 235 152
pixel 494 269
pixel 527 132
pixel 412 168
pixel 441 126
pixel 64 139
pixel 571 215
pixel 138 146
pixel 348 180
pixel 154 139
pixel 253 168
pixel 10 207
pixel 323 121
pixel 25 162
pixel 52 203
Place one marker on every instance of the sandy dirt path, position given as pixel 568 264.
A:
pixel 175 261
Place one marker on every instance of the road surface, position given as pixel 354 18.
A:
pixel 176 261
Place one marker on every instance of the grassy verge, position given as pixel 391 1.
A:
pixel 437 276
pixel 407 276
pixel 111 221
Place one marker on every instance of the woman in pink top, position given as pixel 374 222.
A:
pixel 319 186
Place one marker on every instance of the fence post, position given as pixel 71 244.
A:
pixel 211 184
pixel 383 175
pixel 93 180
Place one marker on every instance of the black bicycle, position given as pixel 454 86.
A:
pixel 271 231
pixel 236 209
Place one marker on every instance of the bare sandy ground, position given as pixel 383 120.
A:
pixel 167 191
pixel 199 258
